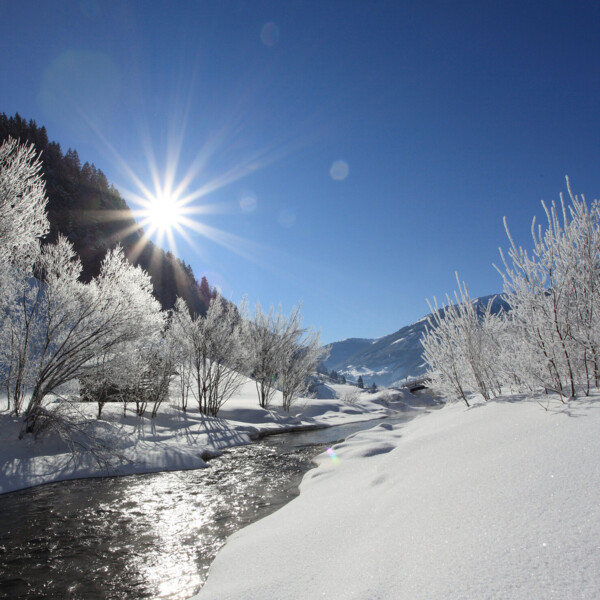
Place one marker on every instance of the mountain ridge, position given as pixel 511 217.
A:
pixel 391 359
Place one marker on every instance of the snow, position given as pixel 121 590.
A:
pixel 355 372
pixel 499 500
pixel 494 501
pixel 173 440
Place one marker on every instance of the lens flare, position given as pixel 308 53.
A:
pixel 269 34
pixel 247 202
pixel 333 456
pixel 339 170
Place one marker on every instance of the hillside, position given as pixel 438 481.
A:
pixel 388 360
pixel 93 216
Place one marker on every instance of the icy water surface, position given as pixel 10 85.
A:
pixel 147 536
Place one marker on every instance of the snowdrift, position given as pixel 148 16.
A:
pixel 496 501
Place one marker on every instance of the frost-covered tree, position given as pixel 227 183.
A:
pixel 211 356
pixel 550 336
pixel 138 364
pixel 138 372
pixel 37 315
pixel 23 219
pixel 298 361
pixel 442 353
pixel 554 299
pixel 144 371
pixel 23 222
pixel 281 354
pixel 271 337
pixel 59 326
pixel 182 339
pixel 460 346
pixel 223 332
pixel 97 384
pixel 582 239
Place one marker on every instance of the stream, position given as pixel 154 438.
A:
pixel 153 535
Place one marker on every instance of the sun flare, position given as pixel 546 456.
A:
pixel 169 208
pixel 164 212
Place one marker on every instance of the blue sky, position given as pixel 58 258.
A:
pixel 448 116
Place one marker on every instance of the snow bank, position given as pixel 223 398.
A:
pixel 173 440
pixel 496 501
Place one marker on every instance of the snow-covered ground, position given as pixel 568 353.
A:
pixel 496 501
pixel 172 440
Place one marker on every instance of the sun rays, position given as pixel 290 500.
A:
pixel 175 196
pixel 170 208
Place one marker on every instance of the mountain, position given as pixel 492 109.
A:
pixel 93 216
pixel 389 360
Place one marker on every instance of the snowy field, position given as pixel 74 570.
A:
pixel 496 501
pixel 173 440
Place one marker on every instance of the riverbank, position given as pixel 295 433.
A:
pixel 494 501
pixel 83 446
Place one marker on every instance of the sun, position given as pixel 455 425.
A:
pixel 168 208
pixel 163 212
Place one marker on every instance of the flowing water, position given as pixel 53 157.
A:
pixel 148 536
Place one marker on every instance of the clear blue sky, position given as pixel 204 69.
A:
pixel 448 115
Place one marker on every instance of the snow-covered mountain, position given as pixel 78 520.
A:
pixel 389 360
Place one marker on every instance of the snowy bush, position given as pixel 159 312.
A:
pixel 351 396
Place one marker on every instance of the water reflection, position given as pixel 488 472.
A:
pixel 148 536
